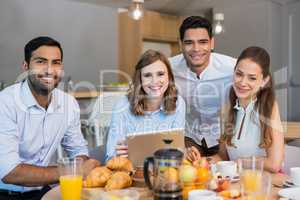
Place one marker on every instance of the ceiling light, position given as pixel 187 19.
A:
pixel 136 10
pixel 218 23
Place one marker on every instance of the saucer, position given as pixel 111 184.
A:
pixel 290 193
pixel 232 179
pixel 289 183
pixel 235 178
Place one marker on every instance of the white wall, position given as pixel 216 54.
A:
pixel 291 52
pixel 253 23
pixel 245 25
pixel 87 32
pixel 266 24
pixel 274 26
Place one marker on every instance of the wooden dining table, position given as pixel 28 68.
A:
pixel 145 194
pixel 94 193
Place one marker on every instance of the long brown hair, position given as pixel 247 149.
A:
pixel 137 95
pixel 265 99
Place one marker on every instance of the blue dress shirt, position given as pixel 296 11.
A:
pixel 29 134
pixel 124 123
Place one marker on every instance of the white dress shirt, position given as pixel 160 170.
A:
pixel 204 95
pixel 29 134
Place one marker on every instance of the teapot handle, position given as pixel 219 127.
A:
pixel 146 171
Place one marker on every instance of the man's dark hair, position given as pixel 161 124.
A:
pixel 35 43
pixel 195 22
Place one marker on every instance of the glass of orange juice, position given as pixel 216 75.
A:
pixel 263 192
pixel 251 171
pixel 70 179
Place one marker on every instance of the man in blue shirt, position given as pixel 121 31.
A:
pixel 35 118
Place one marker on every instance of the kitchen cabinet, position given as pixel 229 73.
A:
pixel 153 27
pixel 160 27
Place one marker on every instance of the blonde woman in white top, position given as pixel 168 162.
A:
pixel 251 124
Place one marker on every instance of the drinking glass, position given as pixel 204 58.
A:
pixel 251 171
pixel 70 179
pixel 263 191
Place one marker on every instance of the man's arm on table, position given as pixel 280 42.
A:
pixel 30 175
pixel 13 171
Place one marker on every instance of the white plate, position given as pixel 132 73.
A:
pixel 289 183
pixel 291 193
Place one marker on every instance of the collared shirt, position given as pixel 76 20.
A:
pixel 246 139
pixel 125 123
pixel 29 134
pixel 204 95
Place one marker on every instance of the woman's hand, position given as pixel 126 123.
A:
pixel 193 155
pixel 122 149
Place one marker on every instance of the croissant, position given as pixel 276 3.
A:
pixel 118 180
pixel 120 163
pixel 97 177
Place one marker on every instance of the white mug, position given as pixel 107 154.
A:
pixel 295 175
pixel 227 168
pixel 202 195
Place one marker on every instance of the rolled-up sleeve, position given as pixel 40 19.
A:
pixel 73 142
pixel 9 140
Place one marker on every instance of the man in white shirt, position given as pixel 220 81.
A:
pixel 35 118
pixel 203 79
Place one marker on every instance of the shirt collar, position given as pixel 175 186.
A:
pixel 56 101
pixel 249 107
pixel 207 69
pixel 29 100
pixel 182 69
pixel 161 109
pixel 187 72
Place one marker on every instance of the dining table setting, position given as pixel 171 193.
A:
pixel 144 193
pixel 168 176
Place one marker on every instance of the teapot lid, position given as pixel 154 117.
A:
pixel 168 154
